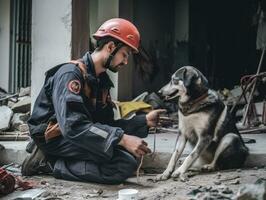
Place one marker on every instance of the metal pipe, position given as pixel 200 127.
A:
pixel 253 88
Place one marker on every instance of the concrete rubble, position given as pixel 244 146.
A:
pixel 14 113
pixel 5 117
pixel 23 105
pixel 253 191
pixel 234 184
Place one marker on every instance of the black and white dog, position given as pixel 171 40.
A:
pixel 204 122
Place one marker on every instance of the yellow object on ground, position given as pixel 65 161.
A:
pixel 128 107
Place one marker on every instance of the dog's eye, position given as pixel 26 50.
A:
pixel 175 81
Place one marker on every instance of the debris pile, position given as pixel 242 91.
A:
pixel 253 191
pixel 202 192
pixel 14 113
pixel 247 103
pixel 7 182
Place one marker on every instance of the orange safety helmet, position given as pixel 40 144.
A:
pixel 120 29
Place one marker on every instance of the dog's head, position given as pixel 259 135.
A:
pixel 186 84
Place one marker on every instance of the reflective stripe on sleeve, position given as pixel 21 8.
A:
pixel 98 131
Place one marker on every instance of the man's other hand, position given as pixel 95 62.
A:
pixel 153 117
pixel 134 145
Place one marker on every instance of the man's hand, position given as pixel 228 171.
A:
pixel 153 117
pixel 134 145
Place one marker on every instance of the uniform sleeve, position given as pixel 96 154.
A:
pixel 75 120
pixel 135 126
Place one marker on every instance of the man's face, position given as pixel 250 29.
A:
pixel 120 59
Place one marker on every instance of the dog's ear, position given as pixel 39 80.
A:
pixel 202 80
pixel 188 77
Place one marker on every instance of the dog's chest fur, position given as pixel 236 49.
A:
pixel 193 125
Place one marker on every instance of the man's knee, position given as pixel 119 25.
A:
pixel 131 165
pixel 126 165
pixel 122 166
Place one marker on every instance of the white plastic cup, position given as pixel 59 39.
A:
pixel 128 194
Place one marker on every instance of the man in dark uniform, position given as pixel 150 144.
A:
pixel 72 121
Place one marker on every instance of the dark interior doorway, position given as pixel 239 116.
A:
pixel 156 21
pixel 222 40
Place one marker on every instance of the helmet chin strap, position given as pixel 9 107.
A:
pixel 108 62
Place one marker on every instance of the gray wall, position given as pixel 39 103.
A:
pixel 100 11
pixel 4 42
pixel 51 38
pixel 161 24
pixel 182 20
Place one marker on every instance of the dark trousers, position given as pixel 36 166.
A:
pixel 77 164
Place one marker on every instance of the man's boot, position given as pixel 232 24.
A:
pixel 35 163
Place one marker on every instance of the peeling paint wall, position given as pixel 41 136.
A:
pixel 4 42
pixel 100 11
pixel 51 38
pixel 106 10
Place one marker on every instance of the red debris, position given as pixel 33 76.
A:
pixel 7 182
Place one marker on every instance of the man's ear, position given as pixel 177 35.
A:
pixel 110 46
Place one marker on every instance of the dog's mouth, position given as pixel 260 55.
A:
pixel 173 95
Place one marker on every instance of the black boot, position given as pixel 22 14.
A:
pixel 36 163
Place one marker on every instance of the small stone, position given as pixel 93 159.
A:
pixel 256 168
pixel 209 188
pixel 236 182
pixel 238 170
pixel 227 191
pixel 24 91
pixel 23 128
pixel 43 182
pixel 217 182
pixel 219 175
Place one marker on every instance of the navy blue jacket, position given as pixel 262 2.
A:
pixel 85 122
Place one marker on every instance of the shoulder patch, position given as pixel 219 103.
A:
pixel 74 86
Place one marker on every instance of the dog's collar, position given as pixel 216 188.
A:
pixel 191 106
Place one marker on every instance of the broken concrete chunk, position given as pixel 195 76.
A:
pixel 259 109
pixel 252 191
pixel 22 106
pixel 1 147
pixel 10 104
pixel 23 128
pixel 19 119
pixel 24 92
pixel 5 116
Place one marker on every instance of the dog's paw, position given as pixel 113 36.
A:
pixel 183 177
pixel 162 177
pixel 177 175
pixel 208 168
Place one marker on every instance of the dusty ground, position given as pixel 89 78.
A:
pixel 223 184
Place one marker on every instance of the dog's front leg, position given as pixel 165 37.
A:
pixel 175 156
pixel 192 157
